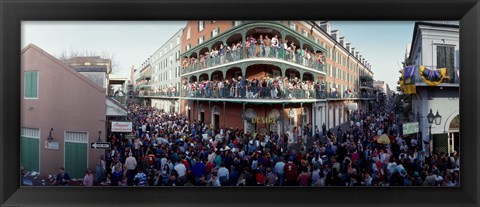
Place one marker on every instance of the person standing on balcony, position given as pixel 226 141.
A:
pixel 234 51
pixel 253 43
pixel 242 86
pixel 239 50
pixel 215 86
pixel 286 49
pixel 221 54
pixel 220 88
pixel 274 46
pixel 280 49
pixel 254 85
pixel 268 43
pixel 261 52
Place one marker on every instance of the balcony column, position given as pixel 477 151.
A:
pixel 224 115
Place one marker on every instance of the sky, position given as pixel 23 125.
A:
pixel 383 44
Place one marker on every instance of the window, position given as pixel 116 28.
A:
pixel 215 32
pixel 293 26
pixel 445 59
pixel 177 55
pixel 178 40
pixel 31 84
pixel 188 47
pixel 171 45
pixel 171 60
pixel 201 39
pixel 188 33
pixel 236 23
pixel 316 40
pixel 305 33
pixel 165 50
pixel 201 25
pixel 331 71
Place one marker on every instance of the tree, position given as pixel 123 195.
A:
pixel 64 55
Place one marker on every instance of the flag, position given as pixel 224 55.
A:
pixel 432 77
pixel 409 86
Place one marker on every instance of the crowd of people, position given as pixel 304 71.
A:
pixel 167 150
pixel 254 88
pixel 166 91
pixel 274 48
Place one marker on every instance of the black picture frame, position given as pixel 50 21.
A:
pixel 13 12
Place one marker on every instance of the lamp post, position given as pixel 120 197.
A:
pixel 50 138
pixel 437 118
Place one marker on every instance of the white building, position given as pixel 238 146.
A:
pixel 436 45
pixel 165 74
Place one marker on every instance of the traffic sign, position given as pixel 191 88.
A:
pixel 99 145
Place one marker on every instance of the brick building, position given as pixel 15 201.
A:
pixel 327 75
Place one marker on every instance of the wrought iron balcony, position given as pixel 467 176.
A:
pixel 193 65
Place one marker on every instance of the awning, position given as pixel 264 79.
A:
pixel 114 108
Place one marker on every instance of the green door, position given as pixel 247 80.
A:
pixel 75 159
pixel 30 153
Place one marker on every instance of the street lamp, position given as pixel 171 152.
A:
pixel 50 138
pixel 99 139
pixel 437 118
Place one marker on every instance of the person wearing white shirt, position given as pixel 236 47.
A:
pixel 274 45
pixel 223 174
pixel 181 169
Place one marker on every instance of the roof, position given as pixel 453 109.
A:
pixel 90 68
pixel 416 27
pixel 82 60
pixel 63 65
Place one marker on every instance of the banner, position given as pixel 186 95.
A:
pixel 118 126
pixel 432 77
pixel 409 80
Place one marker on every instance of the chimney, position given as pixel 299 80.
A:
pixel 325 26
pixel 343 41
pixel 132 74
pixel 335 35
pixel 353 51
pixel 356 55
pixel 348 47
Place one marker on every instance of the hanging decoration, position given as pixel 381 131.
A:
pixel 431 76
pixel 408 75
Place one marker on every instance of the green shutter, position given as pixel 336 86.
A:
pixel 31 84
pixel 34 84
pixel 28 84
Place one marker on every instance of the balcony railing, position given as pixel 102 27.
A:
pixel 158 94
pixel 242 54
pixel 452 75
pixel 255 93
pixel 121 99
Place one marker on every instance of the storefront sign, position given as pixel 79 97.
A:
pixel 121 126
pixel 264 120
pixel 51 145
pixel 410 128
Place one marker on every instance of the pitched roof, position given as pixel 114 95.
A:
pixel 63 65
